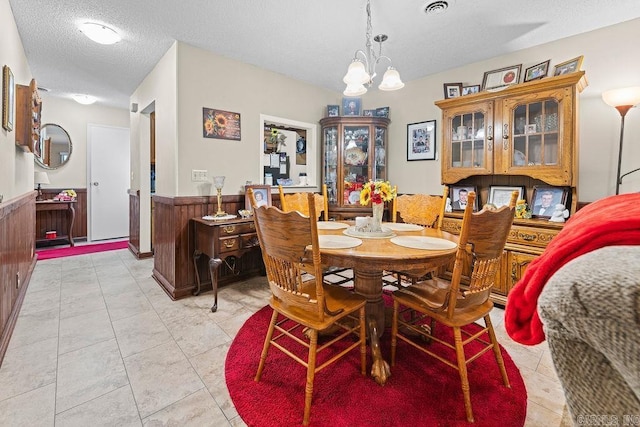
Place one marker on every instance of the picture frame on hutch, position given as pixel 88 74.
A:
pixel 8 98
pixel 545 199
pixel 537 71
pixel 452 90
pixel 459 196
pixel 333 110
pixel 501 78
pixel 351 106
pixel 468 90
pixel 262 193
pixel 421 141
pixel 500 196
pixel 570 66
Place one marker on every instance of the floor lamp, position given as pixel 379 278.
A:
pixel 622 100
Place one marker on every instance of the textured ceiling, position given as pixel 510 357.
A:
pixel 312 41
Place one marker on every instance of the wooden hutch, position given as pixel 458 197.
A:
pixel 525 135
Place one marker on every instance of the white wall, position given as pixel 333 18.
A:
pixel 74 118
pixel 609 61
pixel 16 166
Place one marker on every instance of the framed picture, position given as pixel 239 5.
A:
pixel 8 98
pixel 459 196
pixel 501 78
pixel 452 90
pixel 569 66
pixel 530 129
pixel 382 112
pixel 220 124
pixel 537 71
pixel 500 196
pixel 421 140
pixel 369 113
pixel 333 110
pixel 262 193
pixel 545 199
pixel 468 90
pixel 351 106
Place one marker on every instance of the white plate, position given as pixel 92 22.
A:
pixel 219 218
pixel 422 242
pixel 401 226
pixel 354 197
pixel 338 242
pixel 331 225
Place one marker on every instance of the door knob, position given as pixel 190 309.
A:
pixel 95 183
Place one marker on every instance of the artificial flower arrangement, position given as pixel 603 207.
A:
pixel 66 196
pixel 521 209
pixel 377 192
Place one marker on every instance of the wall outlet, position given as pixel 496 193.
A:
pixel 198 175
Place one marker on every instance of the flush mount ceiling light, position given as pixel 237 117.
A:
pixel 362 70
pixel 84 99
pixel 99 33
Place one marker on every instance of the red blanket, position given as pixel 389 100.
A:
pixel 612 221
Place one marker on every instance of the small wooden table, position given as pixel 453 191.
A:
pixel 369 261
pixel 220 240
pixel 45 220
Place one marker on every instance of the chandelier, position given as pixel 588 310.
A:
pixel 362 70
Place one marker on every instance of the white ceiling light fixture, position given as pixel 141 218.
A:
pixel 84 99
pixel 362 70
pixel 99 33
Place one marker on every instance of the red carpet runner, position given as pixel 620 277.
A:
pixel 421 391
pixel 80 250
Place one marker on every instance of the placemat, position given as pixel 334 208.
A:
pixel 338 242
pixel 331 225
pixel 423 242
pixel 401 226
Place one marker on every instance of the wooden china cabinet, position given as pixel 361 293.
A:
pixel 28 112
pixel 525 135
pixel 354 150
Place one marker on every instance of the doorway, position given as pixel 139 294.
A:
pixel 108 182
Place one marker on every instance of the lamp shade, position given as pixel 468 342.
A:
pixel 620 97
pixel 356 73
pixel 218 182
pixel 391 80
pixel 356 89
pixel 41 178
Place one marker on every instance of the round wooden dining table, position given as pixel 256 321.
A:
pixel 370 258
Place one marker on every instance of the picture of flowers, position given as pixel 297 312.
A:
pixel 220 124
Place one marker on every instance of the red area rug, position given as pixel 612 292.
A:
pixel 420 392
pixel 80 250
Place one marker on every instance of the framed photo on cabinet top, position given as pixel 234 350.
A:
pixel 421 141
pixel 468 90
pixel 262 193
pixel 452 90
pixel 333 110
pixel 501 78
pixel 8 98
pixel 537 71
pixel 545 199
pixel 459 196
pixel 500 196
pixel 351 106
pixel 569 66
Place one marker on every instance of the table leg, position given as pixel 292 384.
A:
pixel 72 218
pixel 214 263
pixel 369 285
pixel 196 257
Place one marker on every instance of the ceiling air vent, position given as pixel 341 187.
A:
pixel 436 7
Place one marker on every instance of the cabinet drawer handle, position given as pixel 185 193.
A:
pixel 528 237
pixel 229 229
pixel 229 243
pixel 490 133
pixel 252 225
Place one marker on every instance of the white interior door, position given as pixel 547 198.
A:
pixel 108 182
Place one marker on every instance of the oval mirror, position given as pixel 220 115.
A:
pixel 54 147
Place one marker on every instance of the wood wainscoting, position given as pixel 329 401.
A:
pixel 57 220
pixel 17 260
pixel 173 241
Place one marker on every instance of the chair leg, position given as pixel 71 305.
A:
pixel 363 344
pixel 311 372
pixel 267 344
pixel 462 369
pixel 496 351
pixel 394 331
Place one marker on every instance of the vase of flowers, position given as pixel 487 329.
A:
pixel 376 193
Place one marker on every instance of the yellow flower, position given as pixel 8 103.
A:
pixel 377 192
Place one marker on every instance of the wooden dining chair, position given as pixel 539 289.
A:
pixel 298 202
pixel 302 307
pixel 421 209
pixel 484 234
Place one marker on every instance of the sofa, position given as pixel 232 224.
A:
pixel 590 309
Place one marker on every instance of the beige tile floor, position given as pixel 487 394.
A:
pixel 99 343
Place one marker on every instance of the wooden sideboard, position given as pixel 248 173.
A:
pixel 45 223
pixel 226 242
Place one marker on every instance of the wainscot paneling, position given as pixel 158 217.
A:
pixel 17 260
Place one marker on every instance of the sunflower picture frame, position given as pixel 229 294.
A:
pixel 220 124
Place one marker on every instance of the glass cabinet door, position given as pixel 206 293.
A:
pixel 535 134
pixel 355 162
pixel 380 154
pixel 330 172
